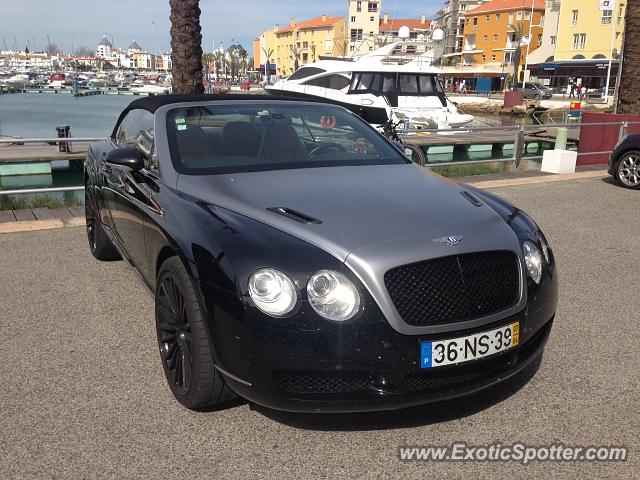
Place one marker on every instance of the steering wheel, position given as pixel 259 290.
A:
pixel 325 146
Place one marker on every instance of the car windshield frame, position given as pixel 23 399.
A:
pixel 391 154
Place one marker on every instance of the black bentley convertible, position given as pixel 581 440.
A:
pixel 300 260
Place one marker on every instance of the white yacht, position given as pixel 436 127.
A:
pixel 396 81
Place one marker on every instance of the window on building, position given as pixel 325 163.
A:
pixel 356 34
pixel 372 19
pixel 542 20
pixel 353 19
pixel 372 7
pixel 508 58
pixel 527 15
pixel 488 18
pixel 493 58
pixel 468 21
pixel 519 15
pixel 359 6
pixel 621 13
pixel 510 17
pixel 579 41
pixel 574 18
pixel 553 39
pixel 606 16
pixel 497 16
pixel 539 39
pixel 485 37
pixel 305 44
pixel 484 58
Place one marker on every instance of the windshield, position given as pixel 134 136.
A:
pixel 212 139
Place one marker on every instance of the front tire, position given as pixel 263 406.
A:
pixel 185 348
pixel 99 243
pixel 628 170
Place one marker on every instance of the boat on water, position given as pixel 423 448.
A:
pixel 149 89
pixel 18 80
pixel 58 80
pixel 397 81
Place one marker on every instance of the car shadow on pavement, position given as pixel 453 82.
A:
pixel 411 417
pixel 611 181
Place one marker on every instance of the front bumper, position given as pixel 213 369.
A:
pixel 308 364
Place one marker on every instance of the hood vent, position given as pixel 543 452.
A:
pixel 472 198
pixel 294 215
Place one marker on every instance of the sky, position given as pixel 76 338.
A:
pixel 83 22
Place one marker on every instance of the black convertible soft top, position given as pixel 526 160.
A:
pixel 153 103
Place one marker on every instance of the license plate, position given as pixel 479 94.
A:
pixel 472 347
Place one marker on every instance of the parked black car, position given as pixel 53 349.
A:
pixel 536 91
pixel 299 260
pixel 624 162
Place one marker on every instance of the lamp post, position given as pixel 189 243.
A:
pixel 613 39
pixel 526 61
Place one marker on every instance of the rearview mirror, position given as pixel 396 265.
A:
pixel 127 159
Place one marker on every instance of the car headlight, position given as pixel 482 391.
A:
pixel 272 291
pixel 532 260
pixel 333 295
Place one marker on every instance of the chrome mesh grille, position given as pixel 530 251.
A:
pixel 454 289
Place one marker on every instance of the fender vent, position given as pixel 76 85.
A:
pixel 472 198
pixel 294 215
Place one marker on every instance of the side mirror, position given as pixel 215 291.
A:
pixel 126 159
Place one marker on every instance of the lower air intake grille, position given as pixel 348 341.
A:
pixel 454 289
pixel 322 382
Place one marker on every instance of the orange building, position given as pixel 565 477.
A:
pixel 490 39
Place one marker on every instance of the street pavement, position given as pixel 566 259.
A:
pixel 83 394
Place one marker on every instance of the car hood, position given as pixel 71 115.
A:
pixel 386 210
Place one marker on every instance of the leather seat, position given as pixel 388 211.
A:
pixel 240 139
pixel 197 147
pixel 282 145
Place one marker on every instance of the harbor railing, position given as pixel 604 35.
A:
pixel 517 136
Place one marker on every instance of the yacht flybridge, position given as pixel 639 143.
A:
pixel 396 81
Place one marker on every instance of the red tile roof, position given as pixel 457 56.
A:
pixel 318 22
pixel 394 24
pixel 505 5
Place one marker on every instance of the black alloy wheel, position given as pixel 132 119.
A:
pixel 174 334
pixel 185 348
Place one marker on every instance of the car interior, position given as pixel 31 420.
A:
pixel 205 140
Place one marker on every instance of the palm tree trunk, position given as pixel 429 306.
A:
pixel 629 93
pixel 516 67
pixel 186 47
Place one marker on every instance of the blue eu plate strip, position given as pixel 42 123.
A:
pixel 425 355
